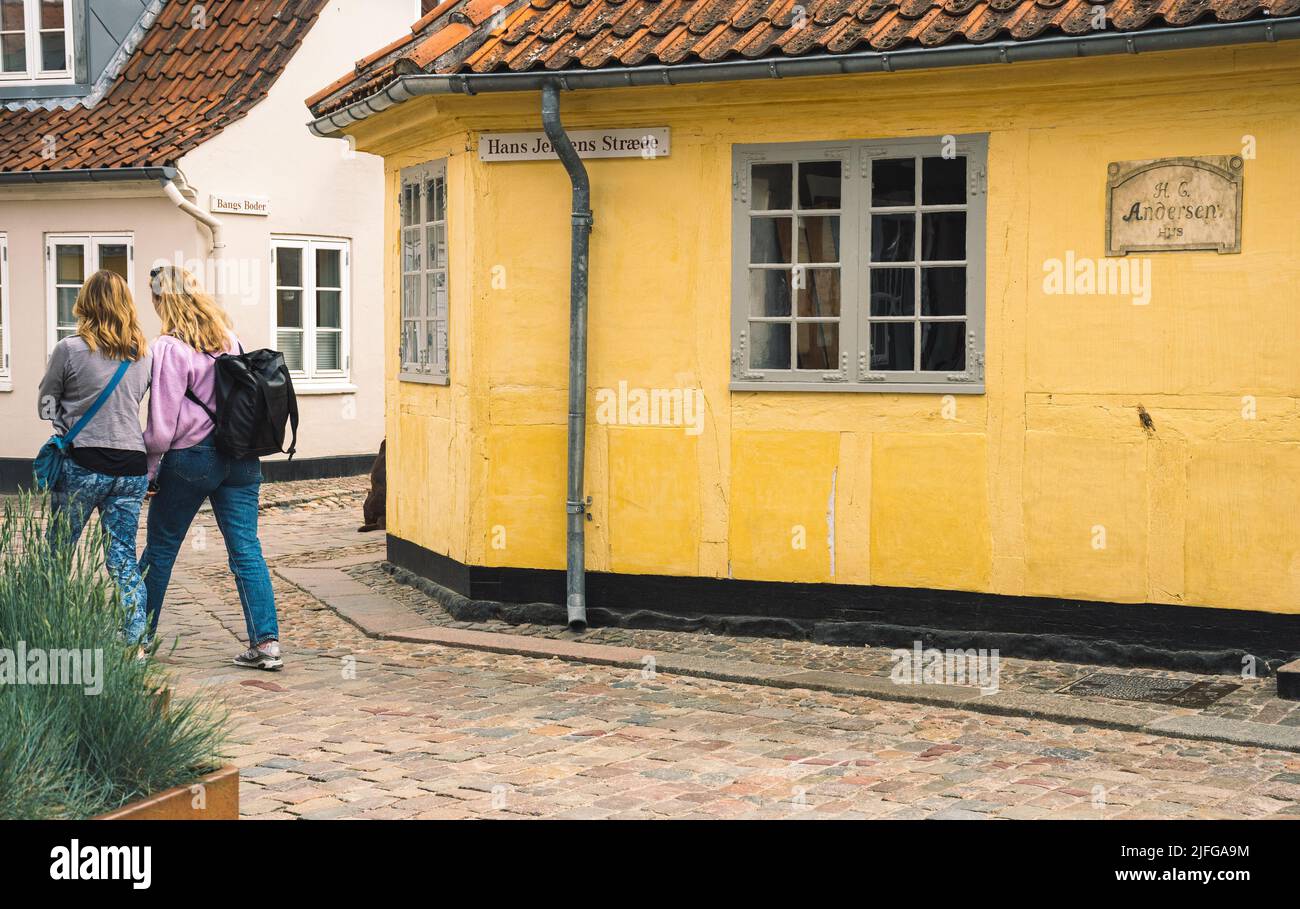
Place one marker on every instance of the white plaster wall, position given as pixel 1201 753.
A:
pixel 316 187
pixel 26 219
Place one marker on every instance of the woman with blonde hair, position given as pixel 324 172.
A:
pixel 106 466
pixel 187 468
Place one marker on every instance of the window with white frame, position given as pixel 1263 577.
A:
pixel 424 273
pixel 36 40
pixel 69 261
pixel 5 372
pixel 859 266
pixel 312 295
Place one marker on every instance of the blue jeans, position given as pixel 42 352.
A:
pixel 75 495
pixel 186 477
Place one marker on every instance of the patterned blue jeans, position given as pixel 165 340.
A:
pixel 77 493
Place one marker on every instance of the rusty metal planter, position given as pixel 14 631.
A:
pixel 221 802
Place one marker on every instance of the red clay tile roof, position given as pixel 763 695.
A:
pixel 485 36
pixel 181 87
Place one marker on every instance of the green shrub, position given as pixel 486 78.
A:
pixel 69 750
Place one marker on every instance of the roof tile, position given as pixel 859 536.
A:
pixel 180 87
pixel 566 34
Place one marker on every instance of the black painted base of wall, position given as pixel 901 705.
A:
pixel 1189 638
pixel 16 473
pixel 317 468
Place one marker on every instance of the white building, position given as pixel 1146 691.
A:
pixel 135 133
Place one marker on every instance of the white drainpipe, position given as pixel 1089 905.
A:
pixel 214 226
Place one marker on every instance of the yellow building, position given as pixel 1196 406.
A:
pixel 972 320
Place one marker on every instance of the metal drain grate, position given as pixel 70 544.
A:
pixel 1151 689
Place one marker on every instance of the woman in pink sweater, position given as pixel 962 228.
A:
pixel 186 467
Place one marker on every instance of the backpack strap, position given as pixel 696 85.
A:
pixel 293 415
pixel 99 403
pixel 195 398
pixel 189 393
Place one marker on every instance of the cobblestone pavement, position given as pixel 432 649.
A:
pixel 1255 700
pixel 355 727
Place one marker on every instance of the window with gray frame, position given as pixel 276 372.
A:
pixel 859 266
pixel 424 273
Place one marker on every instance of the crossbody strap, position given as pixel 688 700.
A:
pixel 99 403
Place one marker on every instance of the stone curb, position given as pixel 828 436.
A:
pixel 381 617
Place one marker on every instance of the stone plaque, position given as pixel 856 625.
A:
pixel 1174 203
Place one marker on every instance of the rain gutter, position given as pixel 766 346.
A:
pixel 1214 34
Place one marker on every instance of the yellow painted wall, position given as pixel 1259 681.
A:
pixel 1048 484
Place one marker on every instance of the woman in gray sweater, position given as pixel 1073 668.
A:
pixel 106 469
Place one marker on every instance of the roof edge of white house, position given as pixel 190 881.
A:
pixel 1058 47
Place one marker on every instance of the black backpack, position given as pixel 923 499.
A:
pixel 255 398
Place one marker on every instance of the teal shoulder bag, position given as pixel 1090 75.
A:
pixel 49 461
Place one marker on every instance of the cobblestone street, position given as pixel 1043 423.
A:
pixel 361 728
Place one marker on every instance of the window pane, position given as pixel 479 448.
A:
pixel 943 236
pixel 411 250
pixel 328 353
pixel 424 346
pixel 892 345
pixel 820 293
pixel 114 258
pixel 410 204
pixel 769 292
pixel 410 295
pixel 11 15
pixel 288 310
pixel 893 181
pixel 329 308
pixel 440 345
pixel 70 267
pixel 438 295
pixel 329 268
pixel 409 346
pixel 819 184
pixel 819 345
pixel 13 53
pixel 53 52
pixel 67 298
pixel 436 199
pixel 943 181
pixel 943 291
pixel 290 344
pixel 943 346
pixel 288 266
pixel 819 239
pixel 771 186
pixel 769 240
pixel 769 346
pixel 893 292
pixel 437 255
pixel 893 238
pixel 51 13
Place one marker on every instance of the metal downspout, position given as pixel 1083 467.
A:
pixel 576 503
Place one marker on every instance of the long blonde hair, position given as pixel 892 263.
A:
pixel 187 313
pixel 106 318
